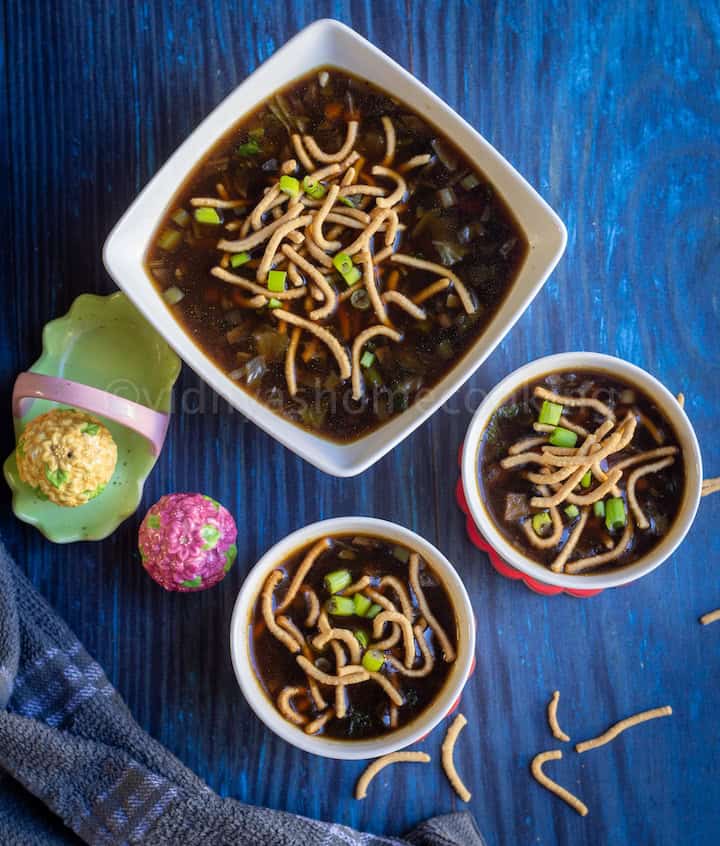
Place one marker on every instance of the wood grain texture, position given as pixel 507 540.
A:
pixel 611 110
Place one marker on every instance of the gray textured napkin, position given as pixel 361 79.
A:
pixel 69 745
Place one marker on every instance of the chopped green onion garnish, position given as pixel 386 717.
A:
pixel 352 276
pixel 173 295
pixel 572 511
pixel 359 299
pixel 362 604
pixel 337 580
pixel 367 359
pixel 276 281
pixel 361 637
pixel 257 133
pixel 238 259
pixel 563 437
pixel 346 201
pixel 373 611
pixel 373 660
pixel 250 148
pixel 340 606
pixel 468 183
pixel 181 217
pixel 289 185
pixel 274 302
pixel 314 190
pixel 539 521
pixel 343 263
pixel 599 508
pixel 373 377
pixel 615 517
pixel 207 215
pixel 402 553
pixel 169 240
pixel 550 413
pixel 586 480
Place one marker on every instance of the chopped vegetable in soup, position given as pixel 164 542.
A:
pixel 358 609
pixel 336 255
pixel 581 472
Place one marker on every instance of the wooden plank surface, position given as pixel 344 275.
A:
pixel 612 111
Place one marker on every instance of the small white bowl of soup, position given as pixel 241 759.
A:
pixel 582 471
pixel 360 600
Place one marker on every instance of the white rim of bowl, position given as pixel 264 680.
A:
pixel 258 700
pixel 619 369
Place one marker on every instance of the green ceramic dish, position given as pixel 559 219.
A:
pixel 105 343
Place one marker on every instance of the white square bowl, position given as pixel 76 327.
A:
pixel 323 43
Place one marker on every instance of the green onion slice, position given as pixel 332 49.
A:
pixel 239 259
pixel 343 263
pixel 550 413
pixel 360 300
pixel 289 185
pixel 169 240
pixel 337 580
pixel 402 553
pixel 340 606
pixel 362 604
pixel 314 190
pixel 373 660
pixel 274 302
pixel 352 276
pixel 615 517
pixel 276 281
pixel 586 480
pixel 250 148
pixel 181 217
pixel 560 437
pixel 373 611
pixel 572 511
pixel 539 521
pixel 367 359
pixel 361 638
pixel 599 508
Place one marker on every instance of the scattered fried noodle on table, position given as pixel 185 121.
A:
pixel 554 787
pixel 620 727
pixel 385 761
pixel 552 718
pixel 710 617
pixel 448 762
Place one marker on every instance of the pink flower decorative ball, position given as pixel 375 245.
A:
pixel 187 542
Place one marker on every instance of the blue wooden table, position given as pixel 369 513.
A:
pixel 613 115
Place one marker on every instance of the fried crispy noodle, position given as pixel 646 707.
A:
pixel 645 421
pixel 358 214
pixel 274 243
pixel 598 560
pixel 285 707
pixel 681 400
pixel 558 564
pixel 215 203
pixel 290 627
pixel 356 587
pixel 355 677
pixel 460 289
pixel 565 423
pixel 574 402
pixel 294 276
pixel 326 337
pixel 448 761
pixel 359 189
pixel 326 172
pixel 428 660
pixel 553 539
pixel 290 374
pixel 552 786
pixel 301 153
pixel 401 592
pixel 553 720
pixel 319 219
pixel 317 277
pixel 301 572
pixel 241 282
pixel 431 290
pixel 415 161
pixel 288 166
pixel 526 444
pixel 340 668
pixel 600 491
pixel 315 251
pixel 711 617
pixel 343 635
pixel 319 722
pixel 444 641
pixel 265 204
pixel 656 467
pixel 262 235
pixel 710 486
pixel 393 694
pixel 561 494
pixel 405 626
pixel 313 604
pixel 380 763
pixel 267 611
pixel 400 187
pixel 323 623
pixel 371 287
pixel 358 344
pixel 661 452
pixel 393 227
pixel 381 600
pixel 618 728
pixel 405 303
pixel 348 178
pixel 327 158
pixel 344 221
pixel 362 242
pixel 380 257
pixel 390 140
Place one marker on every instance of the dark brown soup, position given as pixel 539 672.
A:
pixel 323 617
pixel 551 501
pixel 275 277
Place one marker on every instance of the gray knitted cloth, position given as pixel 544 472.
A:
pixel 72 759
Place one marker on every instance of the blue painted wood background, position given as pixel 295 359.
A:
pixel 612 110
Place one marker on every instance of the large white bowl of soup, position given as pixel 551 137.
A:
pixel 582 471
pixel 352 638
pixel 334 250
